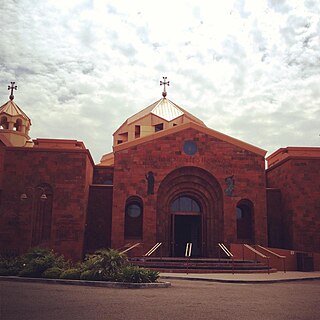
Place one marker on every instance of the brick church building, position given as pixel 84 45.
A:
pixel 169 179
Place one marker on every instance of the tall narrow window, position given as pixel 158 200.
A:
pixel 244 214
pixel 137 131
pixel 42 215
pixel 133 218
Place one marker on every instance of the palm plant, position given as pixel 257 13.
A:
pixel 105 263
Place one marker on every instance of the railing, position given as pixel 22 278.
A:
pixel 275 255
pixel 188 250
pixel 153 249
pixel 257 253
pixel 131 247
pixel 188 253
pixel 225 250
pixel 227 253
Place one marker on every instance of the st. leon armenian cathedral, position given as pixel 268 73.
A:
pixel 169 179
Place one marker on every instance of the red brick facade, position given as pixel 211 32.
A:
pixel 68 173
pixel 297 175
pixel 202 176
pixel 184 181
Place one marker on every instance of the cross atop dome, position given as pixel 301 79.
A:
pixel 164 83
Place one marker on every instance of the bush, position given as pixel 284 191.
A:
pixel 29 272
pixel 37 260
pixel 72 274
pixel 8 272
pixel 91 275
pixel 105 264
pixel 52 273
pixel 153 275
pixel 136 274
pixel 10 266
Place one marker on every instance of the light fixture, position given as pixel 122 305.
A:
pixel 43 197
pixel 23 197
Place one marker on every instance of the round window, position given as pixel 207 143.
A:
pixel 133 210
pixel 190 148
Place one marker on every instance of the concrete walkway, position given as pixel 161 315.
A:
pixel 245 278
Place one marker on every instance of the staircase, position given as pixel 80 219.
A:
pixel 201 265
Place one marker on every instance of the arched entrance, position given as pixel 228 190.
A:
pixel 191 186
pixel 186 226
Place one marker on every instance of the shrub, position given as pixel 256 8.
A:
pixel 153 275
pixel 136 274
pixel 29 272
pixel 52 273
pixel 10 266
pixel 37 260
pixel 91 275
pixel 8 272
pixel 72 274
pixel 105 264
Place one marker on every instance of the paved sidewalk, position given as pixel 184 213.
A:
pixel 245 278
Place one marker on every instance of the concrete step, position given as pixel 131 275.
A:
pixel 201 265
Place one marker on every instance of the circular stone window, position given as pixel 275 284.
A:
pixel 133 210
pixel 190 148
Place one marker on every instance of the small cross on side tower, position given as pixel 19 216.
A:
pixel 12 87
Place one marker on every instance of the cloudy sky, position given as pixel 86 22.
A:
pixel 249 69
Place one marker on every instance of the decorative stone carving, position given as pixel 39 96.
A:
pixel 230 186
pixel 150 179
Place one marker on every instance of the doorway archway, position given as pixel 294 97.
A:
pixel 203 188
pixel 186 226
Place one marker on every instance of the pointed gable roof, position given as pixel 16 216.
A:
pixel 165 109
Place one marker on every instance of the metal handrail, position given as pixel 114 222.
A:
pixel 187 254
pixel 256 252
pixel 188 250
pixel 228 253
pixel 153 249
pixel 276 255
pixel 225 250
pixel 132 247
pixel 269 251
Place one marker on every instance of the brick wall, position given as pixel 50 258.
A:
pixel 162 156
pixel 103 175
pixel 98 224
pixel 298 178
pixel 276 231
pixel 69 173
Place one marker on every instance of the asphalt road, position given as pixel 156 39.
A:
pixel 184 300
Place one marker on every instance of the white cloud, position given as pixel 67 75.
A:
pixel 247 68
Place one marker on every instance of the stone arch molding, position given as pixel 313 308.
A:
pixel 202 186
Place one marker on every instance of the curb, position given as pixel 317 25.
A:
pixel 240 281
pixel 105 284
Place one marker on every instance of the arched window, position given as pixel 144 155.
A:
pixel 42 215
pixel 18 125
pixel 133 218
pixel 244 213
pixel 185 204
pixel 4 123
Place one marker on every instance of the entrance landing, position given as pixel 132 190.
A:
pixel 201 265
